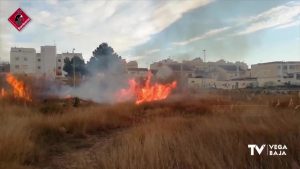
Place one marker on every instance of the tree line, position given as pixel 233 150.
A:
pixel 104 60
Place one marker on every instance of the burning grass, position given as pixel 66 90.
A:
pixel 210 131
pixel 146 93
pixel 18 89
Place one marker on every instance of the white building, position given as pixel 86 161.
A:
pixel 48 56
pixel 46 63
pixel 200 83
pixel 22 60
pixel 132 64
pixel 60 62
pixel 240 83
pixel 137 72
pixel 157 65
pixel 275 73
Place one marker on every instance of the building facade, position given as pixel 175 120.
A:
pixel 275 73
pixel 22 60
pixel 137 72
pixel 48 55
pixel 274 69
pixel 46 63
pixel 208 83
pixel 60 62
pixel 132 64
pixel 4 67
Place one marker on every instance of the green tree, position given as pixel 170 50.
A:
pixel 80 67
pixel 105 60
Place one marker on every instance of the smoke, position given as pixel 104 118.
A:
pixel 164 72
pixel 106 76
pixel 101 87
pixel 221 74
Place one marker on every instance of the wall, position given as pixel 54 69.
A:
pixel 22 60
pixel 48 53
pixel 198 83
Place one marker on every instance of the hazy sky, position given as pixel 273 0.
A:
pixel 235 30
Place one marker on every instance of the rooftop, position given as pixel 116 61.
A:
pixel 278 62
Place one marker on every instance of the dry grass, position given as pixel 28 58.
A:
pixel 27 135
pixel 214 142
pixel 191 132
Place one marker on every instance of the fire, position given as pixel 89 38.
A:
pixel 148 92
pixel 3 93
pixel 19 89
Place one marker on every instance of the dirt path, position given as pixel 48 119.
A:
pixel 82 152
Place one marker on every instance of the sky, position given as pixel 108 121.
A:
pixel 251 31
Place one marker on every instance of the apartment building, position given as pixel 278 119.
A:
pixel 48 56
pixel 276 73
pixel 22 60
pixel 46 63
pixel 60 61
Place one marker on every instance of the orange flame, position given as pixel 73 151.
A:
pixel 18 87
pixel 147 93
pixel 3 93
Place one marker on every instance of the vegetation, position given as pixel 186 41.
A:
pixel 105 60
pixel 208 131
pixel 80 68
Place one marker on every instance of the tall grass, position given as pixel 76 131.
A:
pixel 215 140
pixel 191 132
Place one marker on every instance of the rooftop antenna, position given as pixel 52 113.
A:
pixel 73 68
pixel 204 56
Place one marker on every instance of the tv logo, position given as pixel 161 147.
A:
pixel 19 19
pixel 257 148
pixel 271 149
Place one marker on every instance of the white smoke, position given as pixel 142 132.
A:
pixel 164 72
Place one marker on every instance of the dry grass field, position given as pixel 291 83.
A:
pixel 210 131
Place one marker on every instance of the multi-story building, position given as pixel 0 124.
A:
pixel 60 62
pixel 274 69
pixel 4 67
pixel 46 63
pixel 39 62
pixel 276 73
pixel 132 64
pixel 240 83
pixel 22 60
pixel 137 72
pixel 48 56
pixel 157 65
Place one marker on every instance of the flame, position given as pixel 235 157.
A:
pixel 67 97
pixel 19 89
pixel 3 93
pixel 147 93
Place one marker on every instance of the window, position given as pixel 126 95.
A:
pixel 298 76
pixel 17 58
pixel 59 60
pixel 39 67
pixel 38 59
pixel 25 59
pixel 285 67
pixel 59 67
pixel 17 66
